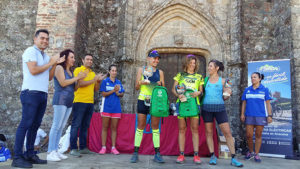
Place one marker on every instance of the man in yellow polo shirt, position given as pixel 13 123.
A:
pixel 83 106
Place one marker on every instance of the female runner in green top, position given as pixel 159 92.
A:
pixel 192 80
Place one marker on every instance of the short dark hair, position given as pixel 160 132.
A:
pixel 88 54
pixel 41 30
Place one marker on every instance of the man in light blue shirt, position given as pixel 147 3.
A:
pixel 38 70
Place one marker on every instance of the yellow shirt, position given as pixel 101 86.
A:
pixel 85 94
pixel 191 81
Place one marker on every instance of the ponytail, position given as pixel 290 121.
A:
pixel 260 75
pixel 217 64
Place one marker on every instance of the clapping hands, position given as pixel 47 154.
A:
pixel 61 59
pixel 56 59
pixel 99 77
pixel 82 75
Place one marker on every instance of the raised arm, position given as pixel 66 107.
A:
pixel 34 69
pixel 82 83
pixel 99 77
pixel 58 60
pixel 138 81
pixel 60 76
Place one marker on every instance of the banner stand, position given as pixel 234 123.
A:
pixel 277 137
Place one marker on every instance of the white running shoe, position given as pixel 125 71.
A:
pixel 52 156
pixel 61 156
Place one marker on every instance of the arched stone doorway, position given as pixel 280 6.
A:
pixel 179 27
pixel 175 31
pixel 173 28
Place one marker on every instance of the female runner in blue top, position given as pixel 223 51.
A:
pixel 256 113
pixel 214 107
pixel 111 89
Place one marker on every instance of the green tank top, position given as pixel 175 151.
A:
pixel 191 81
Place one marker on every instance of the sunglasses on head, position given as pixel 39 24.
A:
pixel 190 56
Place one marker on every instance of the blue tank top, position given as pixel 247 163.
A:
pixel 155 77
pixel 213 99
pixel 63 95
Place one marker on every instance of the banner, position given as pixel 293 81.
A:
pixel 277 138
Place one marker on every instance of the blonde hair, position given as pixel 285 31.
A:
pixel 187 60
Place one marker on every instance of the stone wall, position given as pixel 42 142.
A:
pixel 295 24
pixel 17 27
pixel 100 32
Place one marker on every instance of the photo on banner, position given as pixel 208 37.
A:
pixel 277 138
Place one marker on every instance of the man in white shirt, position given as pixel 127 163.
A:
pixel 38 70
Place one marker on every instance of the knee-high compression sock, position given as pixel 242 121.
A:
pixel 156 138
pixel 138 137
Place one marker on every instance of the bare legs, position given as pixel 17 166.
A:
pixel 113 126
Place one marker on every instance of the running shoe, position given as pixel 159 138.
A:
pixel 158 158
pixel 180 159
pixel 114 151
pixel 103 150
pixel 257 158
pixel 52 156
pixel 61 156
pixel 134 157
pixel 75 153
pixel 85 151
pixel 213 160
pixel 236 163
pixel 249 155
pixel 197 160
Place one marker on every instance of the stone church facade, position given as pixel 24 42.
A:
pixel 124 31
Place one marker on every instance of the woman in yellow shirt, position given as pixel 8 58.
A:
pixel 192 80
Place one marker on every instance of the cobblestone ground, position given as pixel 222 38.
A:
pixel 109 161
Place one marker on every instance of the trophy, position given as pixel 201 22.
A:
pixel 174 109
pixel 147 72
pixel 180 89
pixel 147 101
pixel 228 84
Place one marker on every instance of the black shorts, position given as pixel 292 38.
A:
pixel 221 117
pixel 142 108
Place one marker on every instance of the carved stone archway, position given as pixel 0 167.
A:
pixel 181 28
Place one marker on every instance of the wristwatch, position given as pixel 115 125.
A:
pixel 270 115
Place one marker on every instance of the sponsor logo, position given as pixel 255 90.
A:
pixel 159 93
pixel 268 68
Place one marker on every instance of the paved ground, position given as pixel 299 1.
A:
pixel 110 161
